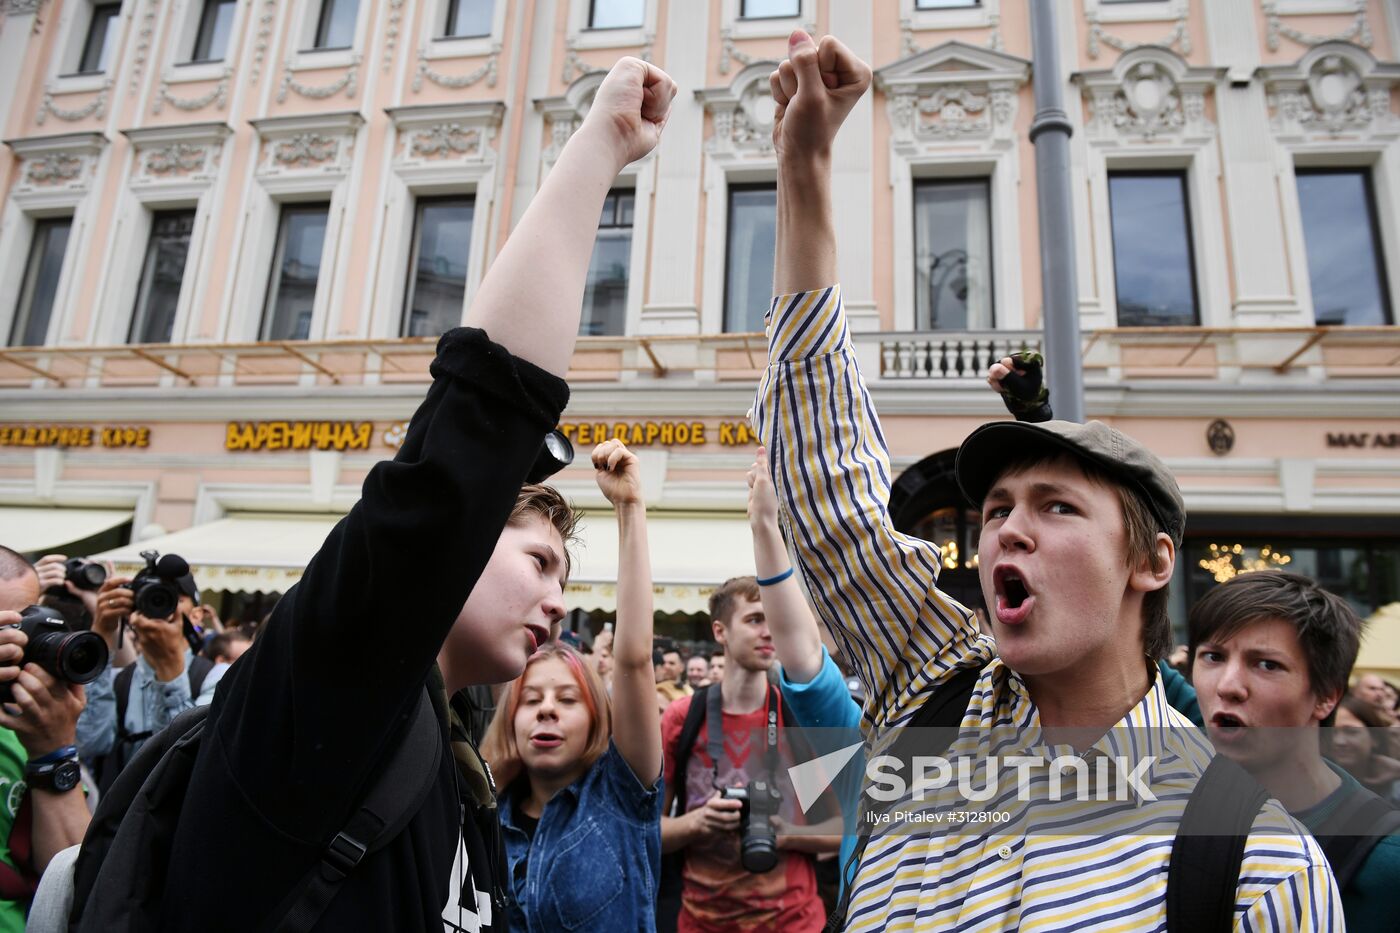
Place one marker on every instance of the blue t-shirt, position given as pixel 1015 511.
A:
pixel 1371 900
pixel 595 853
pixel 824 702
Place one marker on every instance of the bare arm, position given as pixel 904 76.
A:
pixel 796 636
pixel 636 719
pixel 531 298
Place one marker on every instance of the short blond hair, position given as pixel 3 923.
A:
pixel 499 747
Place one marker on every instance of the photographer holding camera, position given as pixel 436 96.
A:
pixel 127 706
pixel 738 872
pixel 42 809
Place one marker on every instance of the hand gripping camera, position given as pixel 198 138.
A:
pixel 74 657
pixel 156 590
pixel 758 841
pixel 84 574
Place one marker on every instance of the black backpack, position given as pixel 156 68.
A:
pixel 119 878
pixel 107 767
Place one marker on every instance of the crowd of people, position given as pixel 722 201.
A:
pixel 371 759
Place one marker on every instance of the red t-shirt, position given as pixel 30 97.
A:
pixel 718 894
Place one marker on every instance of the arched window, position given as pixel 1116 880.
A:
pixel 925 502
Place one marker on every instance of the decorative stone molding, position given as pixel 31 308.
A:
pixel 456 82
pixel 391 32
pixel 565 114
pixel 21 7
pixel 1149 94
pixel 51 164
pixel 143 45
pixel 742 114
pixel 264 38
pixel 180 155
pixel 1179 37
pixel 952 93
pixel 573 64
pixel 912 47
pixel 438 142
pixel 296 147
pixel 729 52
pixel 1359 31
pixel 217 95
pixel 1334 89
pixel 347 83
pixel 97 107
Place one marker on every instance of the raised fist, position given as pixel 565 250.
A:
pixel 617 473
pixel 814 91
pixel 630 108
pixel 763 499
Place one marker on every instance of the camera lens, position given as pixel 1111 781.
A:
pixel 82 656
pixel 86 575
pixel 157 600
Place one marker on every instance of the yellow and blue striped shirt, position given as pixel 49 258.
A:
pixel 876 590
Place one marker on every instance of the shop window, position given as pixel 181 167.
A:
pixel 1343 244
pixel 39 289
pixel 605 295
pixel 437 285
pixel 335 28
pixel 1152 257
pixel 925 502
pixel 97 45
pixel 296 267
pixel 215 28
pixel 953 255
pixel 748 278
pixel 1366 573
pixel 153 321
pixel 769 9
pixel 616 14
pixel 468 19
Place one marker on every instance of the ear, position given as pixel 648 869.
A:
pixel 1156 573
pixel 1324 705
pixel 717 627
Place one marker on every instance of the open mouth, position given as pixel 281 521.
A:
pixel 546 740
pixel 538 634
pixel 1227 725
pixel 1013 597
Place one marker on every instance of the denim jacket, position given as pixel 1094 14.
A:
pixel 595 858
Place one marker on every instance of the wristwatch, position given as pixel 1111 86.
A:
pixel 58 776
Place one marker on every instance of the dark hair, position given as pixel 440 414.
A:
pixel 1140 527
pixel 14 565
pixel 723 600
pixel 219 645
pixel 1329 631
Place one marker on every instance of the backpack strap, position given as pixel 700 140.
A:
pixel 944 709
pixel 1353 830
pixel 122 687
pixel 196 671
pixel 690 731
pixel 1204 870
pixel 384 812
pixel 199 669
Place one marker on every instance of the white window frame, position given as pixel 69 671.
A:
pixel 256 237
pixel 1313 7
pixel 28 203
pixel 73 24
pixel 1383 162
pixel 301 56
pixel 740 28
pixel 1145 11
pixel 581 36
pixel 1002 172
pixel 987 13
pixel 436 46
pixel 1206 222
pixel 178 69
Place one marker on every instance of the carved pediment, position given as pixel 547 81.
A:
pixel 315 144
pixel 1150 93
pixel 177 155
pixel 950 93
pixel 1334 89
pixel 742 113
pixel 441 136
pixel 55 164
pixel 564 114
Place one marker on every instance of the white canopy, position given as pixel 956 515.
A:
pixel 31 529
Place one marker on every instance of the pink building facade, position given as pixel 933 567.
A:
pixel 230 229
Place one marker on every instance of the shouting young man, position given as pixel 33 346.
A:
pixel 1079 537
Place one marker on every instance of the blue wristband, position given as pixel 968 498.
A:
pixel 769 581
pixel 67 751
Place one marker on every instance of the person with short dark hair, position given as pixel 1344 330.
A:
pixel 1080 527
pixel 39 817
pixel 227 647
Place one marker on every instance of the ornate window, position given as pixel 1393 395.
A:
pixel 1345 260
pixel 98 43
pixel 605 294
pixel 39 290
pixel 296 268
pixel 437 267
pixel 1154 272
pixel 953 254
pixel 162 275
pixel 749 253
pixel 215 29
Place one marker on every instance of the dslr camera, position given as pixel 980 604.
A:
pixel 155 591
pixel 758 841
pixel 73 657
pixel 84 574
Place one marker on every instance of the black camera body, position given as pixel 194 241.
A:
pixel 758 841
pixel 74 657
pixel 84 574
pixel 155 592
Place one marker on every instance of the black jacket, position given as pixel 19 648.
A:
pixel 303 722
